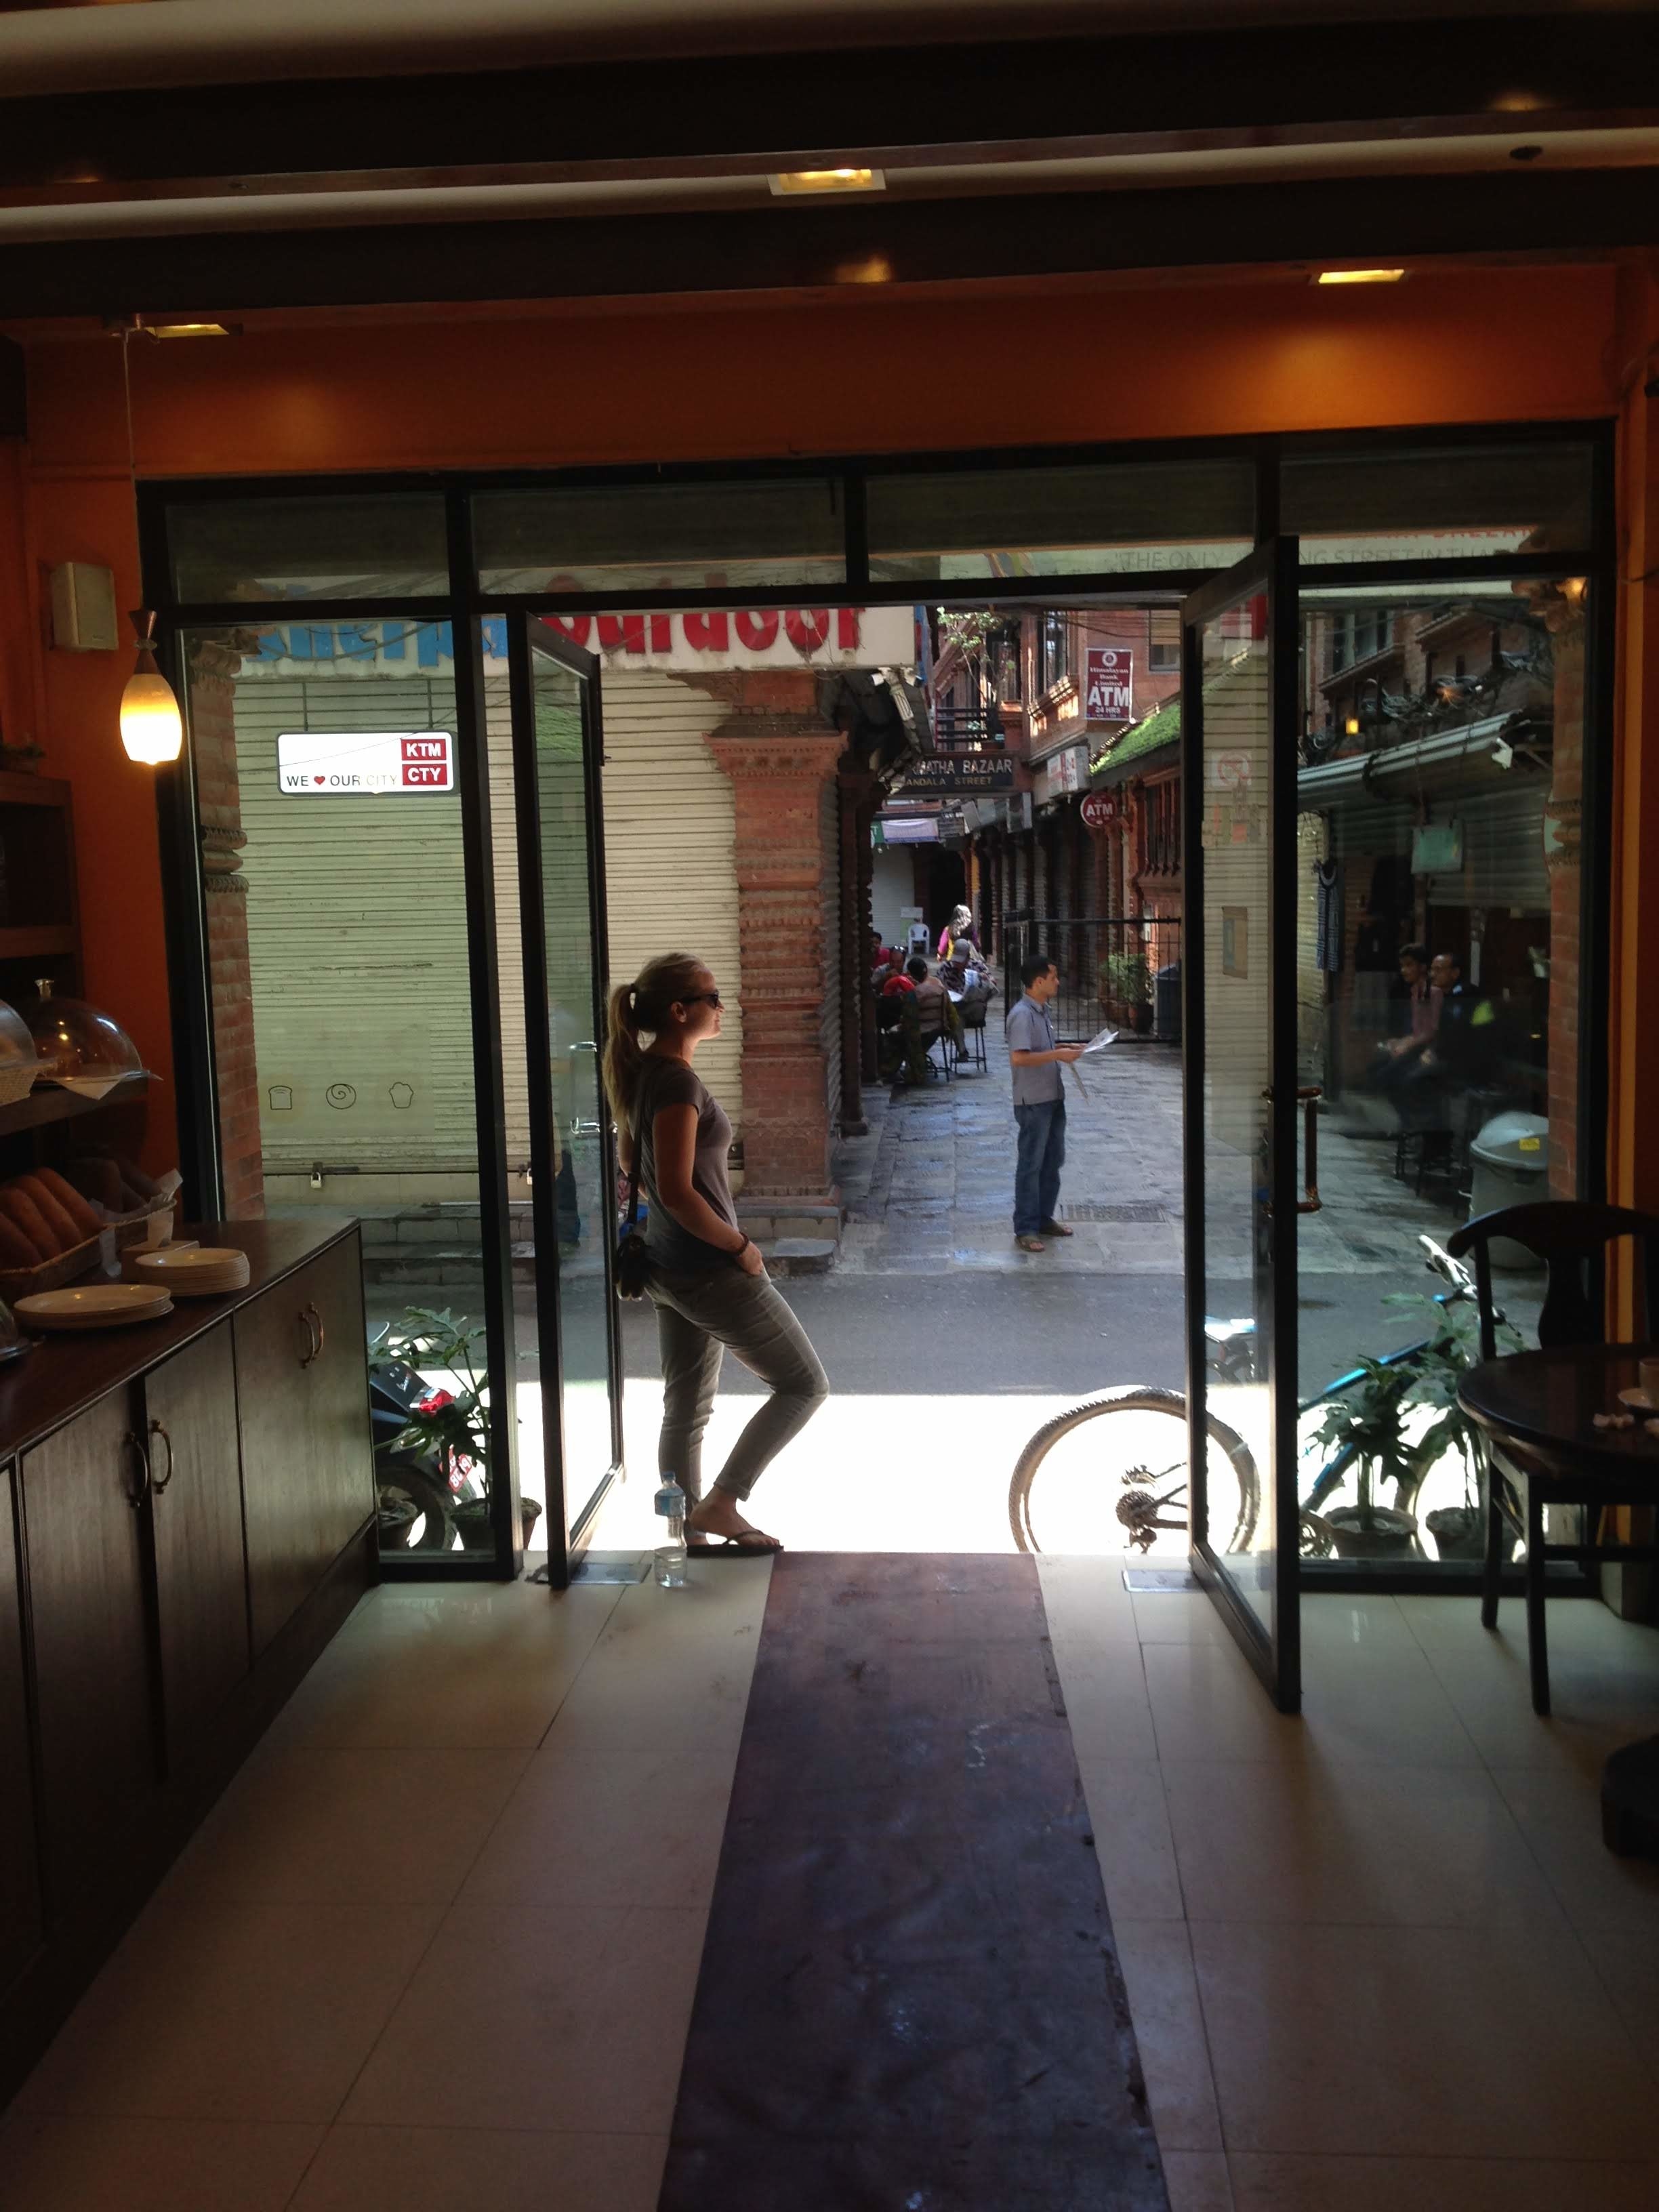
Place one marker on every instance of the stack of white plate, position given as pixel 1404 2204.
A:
pixel 192 1271
pixel 94 1305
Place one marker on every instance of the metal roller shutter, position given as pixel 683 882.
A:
pixel 671 880
pixel 357 944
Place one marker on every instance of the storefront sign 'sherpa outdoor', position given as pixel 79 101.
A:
pixel 365 764
pixel 743 637
pixel 977 773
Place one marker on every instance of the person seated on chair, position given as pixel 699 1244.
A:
pixel 1456 1057
pixel 896 984
pixel 1396 1056
pixel 934 1009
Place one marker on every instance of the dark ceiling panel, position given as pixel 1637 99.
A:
pixel 779 110
pixel 1519 212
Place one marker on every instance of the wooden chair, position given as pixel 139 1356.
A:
pixel 1571 1239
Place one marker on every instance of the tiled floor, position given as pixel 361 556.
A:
pixel 437 1945
pixel 1378 1956
pixel 436 1948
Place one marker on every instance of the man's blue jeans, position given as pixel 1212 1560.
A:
pixel 1036 1171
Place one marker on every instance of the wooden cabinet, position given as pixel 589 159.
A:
pixel 196 1522
pixel 157 1484
pixel 308 1467
pixel 89 1615
pixel 21 1926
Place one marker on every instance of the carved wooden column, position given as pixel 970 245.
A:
pixel 782 767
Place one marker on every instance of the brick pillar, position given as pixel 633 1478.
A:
pixel 781 765
pixel 858 796
pixel 1563 827
pixel 215 665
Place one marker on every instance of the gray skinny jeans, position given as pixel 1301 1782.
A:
pixel 698 1317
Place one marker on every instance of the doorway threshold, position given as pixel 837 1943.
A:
pixel 1156 1582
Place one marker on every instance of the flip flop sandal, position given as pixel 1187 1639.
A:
pixel 752 1544
pixel 1030 1244
pixel 1055 1229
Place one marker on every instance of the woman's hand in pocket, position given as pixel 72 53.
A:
pixel 750 1260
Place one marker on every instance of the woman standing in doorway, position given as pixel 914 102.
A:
pixel 708 1280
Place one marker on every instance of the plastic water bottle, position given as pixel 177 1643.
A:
pixel 671 1556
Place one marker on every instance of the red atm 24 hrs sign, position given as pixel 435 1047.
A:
pixel 364 764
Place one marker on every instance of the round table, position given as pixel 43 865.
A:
pixel 1547 1401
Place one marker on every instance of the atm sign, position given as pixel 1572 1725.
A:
pixel 364 764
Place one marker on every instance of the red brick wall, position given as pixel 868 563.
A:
pixel 214 668
pixel 781 758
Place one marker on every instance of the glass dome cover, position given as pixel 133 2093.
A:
pixel 16 1045
pixel 76 1041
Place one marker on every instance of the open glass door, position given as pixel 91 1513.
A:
pixel 1239 754
pixel 565 1308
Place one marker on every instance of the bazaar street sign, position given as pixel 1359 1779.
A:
pixel 972 772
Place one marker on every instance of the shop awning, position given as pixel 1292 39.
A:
pixel 1481 755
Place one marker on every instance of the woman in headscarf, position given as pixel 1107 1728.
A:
pixel 959 940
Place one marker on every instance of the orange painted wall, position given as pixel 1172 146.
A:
pixel 864 371
pixel 856 370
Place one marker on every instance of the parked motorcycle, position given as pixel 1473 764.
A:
pixel 419 1484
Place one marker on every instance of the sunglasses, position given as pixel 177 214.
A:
pixel 698 998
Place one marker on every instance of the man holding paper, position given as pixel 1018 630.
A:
pixel 1039 1104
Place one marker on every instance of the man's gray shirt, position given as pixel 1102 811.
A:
pixel 1029 1030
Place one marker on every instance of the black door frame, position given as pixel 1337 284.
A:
pixel 529 638
pixel 466 607
pixel 1273 569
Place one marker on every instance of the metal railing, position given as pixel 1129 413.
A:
pixel 1120 972
pixel 963 729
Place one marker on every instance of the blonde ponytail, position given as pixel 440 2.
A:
pixel 642 1004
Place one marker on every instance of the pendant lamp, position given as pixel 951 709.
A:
pixel 152 728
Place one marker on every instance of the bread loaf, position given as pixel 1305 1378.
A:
pixel 21 1212
pixel 56 1217
pixel 16 1249
pixel 85 1221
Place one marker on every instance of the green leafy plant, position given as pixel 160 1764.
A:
pixel 1439 1370
pixel 1126 976
pixel 969 629
pixel 453 1423
pixel 1371 1416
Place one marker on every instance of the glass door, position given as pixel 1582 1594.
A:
pixel 570 1426
pixel 1239 695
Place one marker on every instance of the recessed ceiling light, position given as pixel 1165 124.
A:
pixel 1360 277
pixel 192 330
pixel 828 180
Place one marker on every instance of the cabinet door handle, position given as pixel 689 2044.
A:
pixel 159 1483
pixel 136 1497
pixel 312 1322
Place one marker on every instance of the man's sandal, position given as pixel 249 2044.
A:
pixel 1055 1229
pixel 1030 1244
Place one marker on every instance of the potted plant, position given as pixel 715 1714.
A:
pixel 1125 987
pixel 1368 1421
pixel 452 1425
pixel 1459 1531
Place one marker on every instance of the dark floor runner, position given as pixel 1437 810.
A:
pixel 909 1999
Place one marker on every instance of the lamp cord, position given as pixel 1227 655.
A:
pixel 126 394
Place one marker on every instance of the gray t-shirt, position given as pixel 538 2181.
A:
pixel 676 1250
pixel 1029 1030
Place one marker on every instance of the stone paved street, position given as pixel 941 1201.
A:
pixel 931 1183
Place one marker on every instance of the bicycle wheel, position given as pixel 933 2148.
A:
pixel 1085 1483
